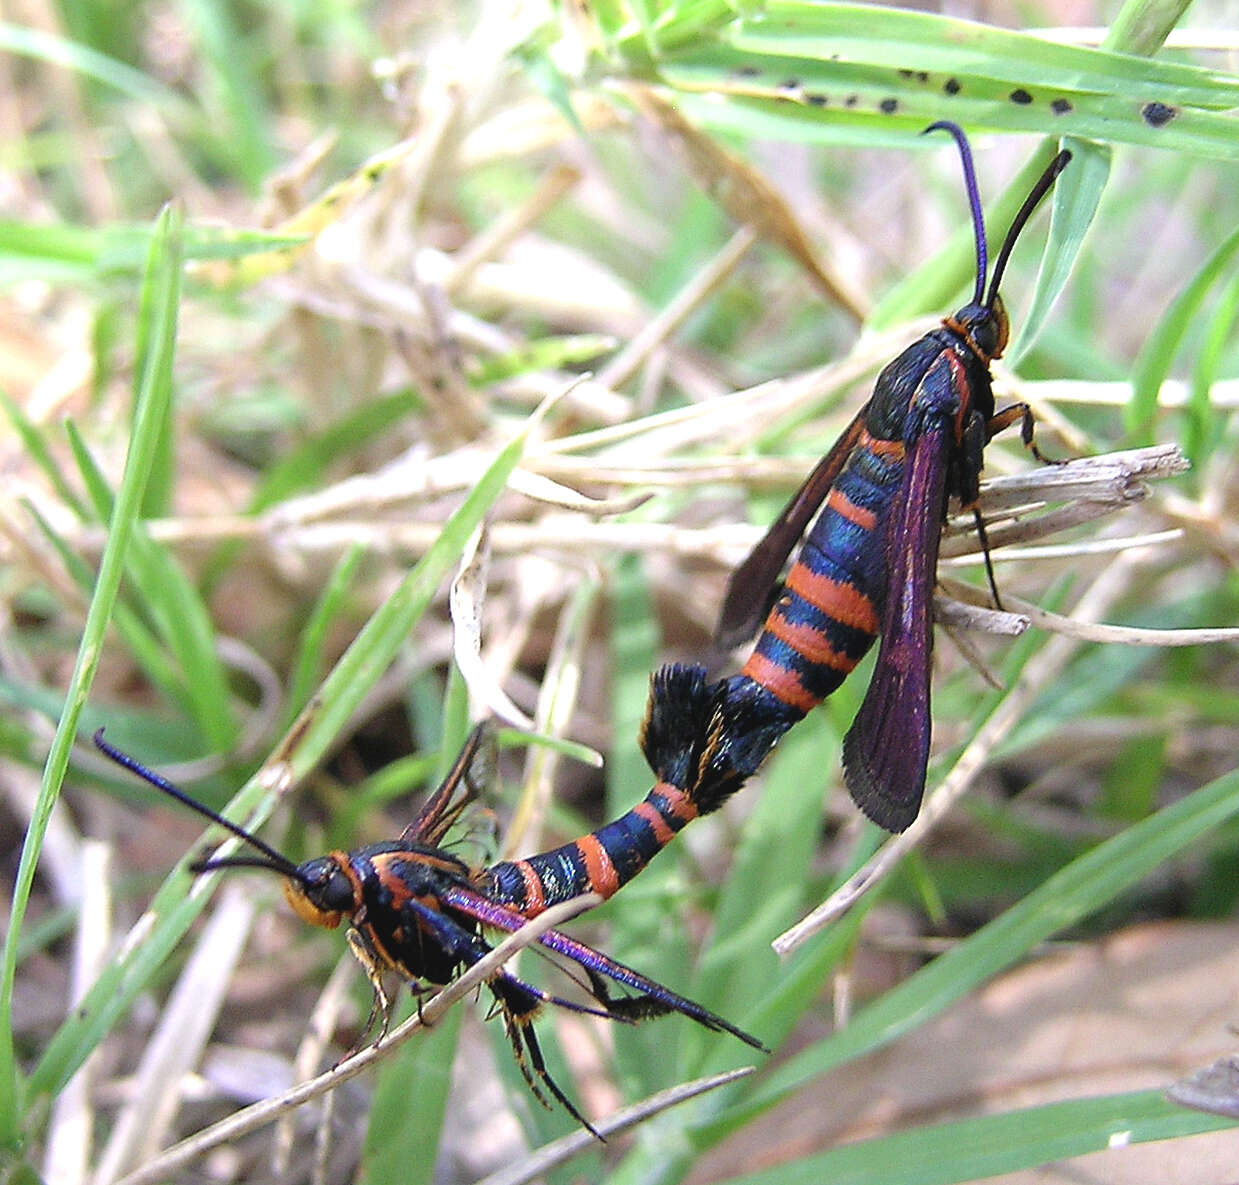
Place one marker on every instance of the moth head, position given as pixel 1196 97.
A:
pixel 322 891
pixel 985 327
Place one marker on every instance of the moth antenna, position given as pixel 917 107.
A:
pixel 277 861
pixel 210 865
pixel 974 199
pixel 1031 202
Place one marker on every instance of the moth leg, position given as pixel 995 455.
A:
pixel 381 1003
pixel 420 992
pixel 989 563
pixel 1022 412
pixel 976 434
pixel 519 1009
pixel 518 1003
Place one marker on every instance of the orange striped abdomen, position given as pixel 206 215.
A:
pixel 601 862
pixel 826 617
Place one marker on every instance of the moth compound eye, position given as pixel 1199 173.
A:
pixel 1002 327
pixel 321 893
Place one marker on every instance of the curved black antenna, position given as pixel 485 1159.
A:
pixel 974 198
pixel 277 862
pixel 208 865
pixel 1031 202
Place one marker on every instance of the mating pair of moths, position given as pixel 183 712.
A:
pixel 866 569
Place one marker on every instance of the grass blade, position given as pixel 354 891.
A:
pixel 994 1144
pixel 152 396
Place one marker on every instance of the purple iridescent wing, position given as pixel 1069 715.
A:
pixel 886 750
pixel 654 999
pixel 747 597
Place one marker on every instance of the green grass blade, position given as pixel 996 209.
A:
pixel 308 661
pixel 75 254
pixel 406 1119
pixel 994 1144
pixel 228 54
pixel 1075 202
pixel 36 446
pixel 58 51
pixel 154 393
pixel 1203 429
pixel 903 39
pixel 303 467
pixel 1153 365
pixel 143 644
pixel 825 73
pixel 1142 26
pixel 179 614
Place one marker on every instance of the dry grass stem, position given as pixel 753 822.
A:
pixel 504 231
pixel 1076 550
pixel 358 509
pixel 185 1023
pixel 557 701
pixel 1088 631
pixel 323 1020
pixel 466 603
pixel 750 199
pixel 1173 393
pixel 70 1138
pixel 969 613
pixel 681 306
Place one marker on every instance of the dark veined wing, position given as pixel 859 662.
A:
pixel 472 770
pixel 654 999
pixel 886 751
pixel 746 600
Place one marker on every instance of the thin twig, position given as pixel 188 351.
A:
pixel 558 1152
pixel 1089 631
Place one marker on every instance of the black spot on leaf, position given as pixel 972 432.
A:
pixel 1157 115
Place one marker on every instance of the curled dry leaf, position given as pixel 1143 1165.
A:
pixel 467 600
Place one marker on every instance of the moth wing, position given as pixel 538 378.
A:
pixel 748 590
